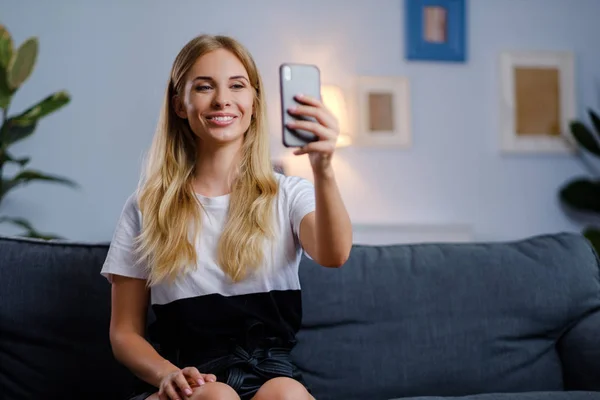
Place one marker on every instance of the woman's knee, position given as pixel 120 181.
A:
pixel 214 391
pixel 282 389
pixel 208 391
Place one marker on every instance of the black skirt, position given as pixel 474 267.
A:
pixel 244 371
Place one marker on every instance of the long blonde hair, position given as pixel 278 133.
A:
pixel 171 211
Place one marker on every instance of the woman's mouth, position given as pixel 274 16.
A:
pixel 220 120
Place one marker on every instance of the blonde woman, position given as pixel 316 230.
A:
pixel 213 236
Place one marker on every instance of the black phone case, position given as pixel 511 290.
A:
pixel 305 79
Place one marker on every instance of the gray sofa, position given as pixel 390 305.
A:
pixel 486 321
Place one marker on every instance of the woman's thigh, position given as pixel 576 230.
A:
pixel 282 389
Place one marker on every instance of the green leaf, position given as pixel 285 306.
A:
pixel 17 221
pixel 22 63
pixel 27 176
pixel 43 108
pixel 5 157
pixel 595 121
pixel 31 175
pixel 15 133
pixel 582 194
pixel 5 92
pixel 29 229
pixel 6 185
pixel 593 235
pixel 584 137
pixel 6 52
pixel 6 46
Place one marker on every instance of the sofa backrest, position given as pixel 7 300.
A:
pixel 54 320
pixel 444 319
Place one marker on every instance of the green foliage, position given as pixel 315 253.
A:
pixel 16 66
pixel 583 193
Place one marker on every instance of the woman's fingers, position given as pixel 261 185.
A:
pixel 325 147
pixel 322 115
pixel 168 392
pixel 194 375
pixel 315 108
pixel 209 377
pixel 182 384
pixel 305 99
pixel 322 132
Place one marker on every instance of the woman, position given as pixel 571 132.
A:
pixel 212 238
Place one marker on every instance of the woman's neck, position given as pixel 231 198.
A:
pixel 216 168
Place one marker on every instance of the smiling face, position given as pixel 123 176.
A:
pixel 217 98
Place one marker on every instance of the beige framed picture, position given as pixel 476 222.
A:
pixel 383 112
pixel 537 102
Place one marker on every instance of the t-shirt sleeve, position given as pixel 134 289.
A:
pixel 121 258
pixel 301 200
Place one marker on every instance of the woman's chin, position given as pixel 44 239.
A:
pixel 223 136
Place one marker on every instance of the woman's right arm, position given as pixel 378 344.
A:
pixel 130 347
pixel 127 325
pixel 130 299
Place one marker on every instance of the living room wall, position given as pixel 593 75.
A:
pixel 114 57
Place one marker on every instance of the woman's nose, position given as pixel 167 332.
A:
pixel 221 99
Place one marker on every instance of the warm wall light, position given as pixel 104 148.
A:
pixel 333 98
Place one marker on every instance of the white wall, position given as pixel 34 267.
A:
pixel 114 58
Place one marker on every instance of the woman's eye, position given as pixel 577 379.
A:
pixel 237 86
pixel 202 88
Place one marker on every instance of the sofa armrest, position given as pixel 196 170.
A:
pixel 579 349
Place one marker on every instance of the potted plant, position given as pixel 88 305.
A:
pixel 16 65
pixel 583 193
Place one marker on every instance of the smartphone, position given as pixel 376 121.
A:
pixel 297 79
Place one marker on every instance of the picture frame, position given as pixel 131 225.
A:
pixel 384 112
pixel 436 30
pixel 537 102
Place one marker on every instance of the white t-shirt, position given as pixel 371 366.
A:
pixel 271 295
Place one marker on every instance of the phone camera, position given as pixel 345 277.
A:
pixel 287 73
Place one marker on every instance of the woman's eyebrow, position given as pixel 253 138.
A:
pixel 209 78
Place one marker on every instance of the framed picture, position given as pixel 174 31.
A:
pixel 435 30
pixel 383 112
pixel 537 102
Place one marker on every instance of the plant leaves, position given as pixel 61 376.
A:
pixel 6 46
pixel 595 121
pixel 23 125
pixel 15 133
pixel 6 52
pixel 6 185
pixel 582 194
pixel 22 63
pixel 32 175
pixel 6 157
pixel 593 235
pixel 30 231
pixel 17 221
pixel 41 109
pixel 584 137
pixel 27 176
pixel 5 92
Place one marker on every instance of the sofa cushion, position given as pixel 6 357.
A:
pixel 580 353
pixel 574 395
pixel 54 318
pixel 444 319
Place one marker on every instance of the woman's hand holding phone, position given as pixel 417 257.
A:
pixel 325 128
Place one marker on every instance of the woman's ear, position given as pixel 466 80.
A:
pixel 177 103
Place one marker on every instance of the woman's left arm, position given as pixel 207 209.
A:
pixel 326 233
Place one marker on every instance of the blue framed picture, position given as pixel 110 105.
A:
pixel 435 30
